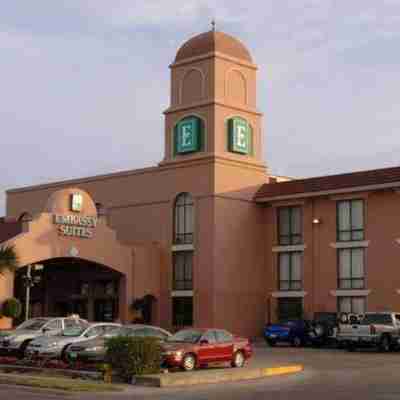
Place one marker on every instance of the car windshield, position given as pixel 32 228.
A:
pixel 74 331
pixel 33 324
pixel 186 336
pixel 376 319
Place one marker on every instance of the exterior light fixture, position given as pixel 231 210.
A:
pixel 316 221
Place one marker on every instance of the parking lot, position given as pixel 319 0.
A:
pixel 329 373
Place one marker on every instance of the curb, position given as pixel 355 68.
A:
pixel 214 376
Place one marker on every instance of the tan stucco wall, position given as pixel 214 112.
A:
pixel 382 276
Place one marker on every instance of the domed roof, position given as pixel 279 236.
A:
pixel 210 42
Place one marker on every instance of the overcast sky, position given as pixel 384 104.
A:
pixel 84 82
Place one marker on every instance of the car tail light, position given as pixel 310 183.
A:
pixel 372 329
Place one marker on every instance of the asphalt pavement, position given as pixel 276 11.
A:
pixel 329 374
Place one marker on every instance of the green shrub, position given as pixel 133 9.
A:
pixel 130 356
pixel 12 308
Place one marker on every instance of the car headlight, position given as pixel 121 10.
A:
pixel 178 353
pixel 95 348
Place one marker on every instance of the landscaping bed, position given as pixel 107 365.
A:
pixel 57 383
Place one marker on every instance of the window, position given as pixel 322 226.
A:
pixel 156 333
pixel 223 336
pixel 72 322
pixel 351 268
pixel 381 319
pixel 96 331
pixel 290 225
pixel 210 337
pixel 182 311
pixel 350 220
pixel 184 219
pixel 355 305
pixel 290 309
pixel 183 267
pixel 290 271
pixel 54 325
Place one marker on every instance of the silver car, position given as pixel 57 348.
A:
pixel 51 347
pixel 15 341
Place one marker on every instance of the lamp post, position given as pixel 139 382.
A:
pixel 30 281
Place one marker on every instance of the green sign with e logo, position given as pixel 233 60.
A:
pixel 239 134
pixel 188 135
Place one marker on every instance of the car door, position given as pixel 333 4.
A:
pixel 208 352
pixel 225 345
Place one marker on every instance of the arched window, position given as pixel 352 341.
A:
pixel 184 219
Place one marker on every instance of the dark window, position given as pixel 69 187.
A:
pixel 350 220
pixel 383 319
pixel 223 336
pixel 110 328
pixel 351 268
pixel 210 336
pixel 156 333
pixel 184 219
pixel 290 308
pixel 97 330
pixel 72 322
pixel 354 305
pixel 182 311
pixel 183 268
pixel 54 325
pixel 290 271
pixel 290 225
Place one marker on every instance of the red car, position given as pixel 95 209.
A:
pixel 191 348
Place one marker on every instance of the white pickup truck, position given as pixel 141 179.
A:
pixel 380 329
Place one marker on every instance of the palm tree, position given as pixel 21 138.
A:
pixel 8 259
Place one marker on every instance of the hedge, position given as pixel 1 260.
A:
pixel 130 356
pixel 12 308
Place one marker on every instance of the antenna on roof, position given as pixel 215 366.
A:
pixel 213 24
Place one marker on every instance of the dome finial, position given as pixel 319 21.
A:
pixel 213 24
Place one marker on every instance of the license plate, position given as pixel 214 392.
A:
pixel 273 336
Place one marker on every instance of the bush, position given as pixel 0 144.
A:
pixel 12 308
pixel 130 356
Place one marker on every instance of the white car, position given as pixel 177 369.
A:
pixel 51 347
pixel 14 341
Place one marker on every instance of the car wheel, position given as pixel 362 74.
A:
pixel 238 360
pixel 189 362
pixel 297 342
pixel 384 346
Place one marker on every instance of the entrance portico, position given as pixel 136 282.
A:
pixel 86 269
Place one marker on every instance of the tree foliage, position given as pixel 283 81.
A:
pixel 8 259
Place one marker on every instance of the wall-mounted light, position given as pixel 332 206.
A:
pixel 316 221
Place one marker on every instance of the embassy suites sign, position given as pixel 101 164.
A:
pixel 75 225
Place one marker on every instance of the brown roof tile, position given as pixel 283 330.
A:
pixel 328 183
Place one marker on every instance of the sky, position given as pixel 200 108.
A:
pixel 83 83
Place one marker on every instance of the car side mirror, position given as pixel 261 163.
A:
pixel 44 330
pixel 203 342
